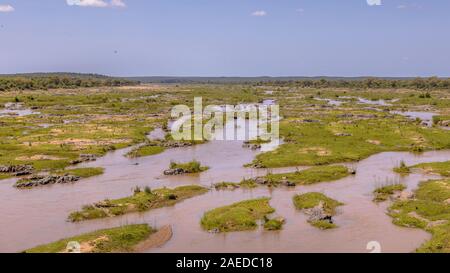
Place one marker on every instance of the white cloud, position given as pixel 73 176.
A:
pixel 374 2
pixel 6 8
pixel 118 3
pixel 300 10
pixel 96 3
pixel 411 6
pixel 259 13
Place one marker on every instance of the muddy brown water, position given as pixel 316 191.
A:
pixel 38 216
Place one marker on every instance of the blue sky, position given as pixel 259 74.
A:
pixel 226 37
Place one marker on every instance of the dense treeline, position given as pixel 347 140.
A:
pixel 8 83
pixel 417 83
pixel 312 82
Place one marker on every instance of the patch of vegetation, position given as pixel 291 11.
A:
pixel 226 186
pixel 82 172
pixel 441 168
pixel 248 184
pixel 314 199
pixel 430 210
pixel 259 141
pixel 402 169
pixel 237 217
pixel 342 137
pixel 439 120
pixel 121 239
pixel 74 123
pixel 322 224
pixel 311 176
pixel 146 150
pixel 245 184
pixel 383 193
pixel 274 224
pixel 141 200
pixel 4 176
pixel 189 167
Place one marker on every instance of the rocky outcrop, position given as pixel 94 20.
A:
pixel 177 171
pixel 343 135
pixel 318 213
pixel 311 121
pixel 256 165
pixel 404 195
pixel 214 231
pixel 175 144
pixel 14 106
pixel 444 123
pixel 17 170
pixel 345 115
pixel 368 116
pixel 288 183
pixel 84 158
pixel 261 181
pixel 284 181
pixel 42 180
pixel 249 145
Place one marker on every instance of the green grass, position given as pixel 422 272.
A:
pixel 323 225
pixel 430 210
pixel 248 184
pixel 226 186
pixel 98 121
pixel 237 217
pixel 438 119
pixel 273 224
pixel 402 169
pixel 318 143
pixel 114 118
pixel 189 167
pixel 141 200
pixel 244 184
pixel 441 168
pixel 82 172
pixel 121 239
pixel 311 176
pixel 383 193
pixel 313 199
pixel 4 176
pixel 147 150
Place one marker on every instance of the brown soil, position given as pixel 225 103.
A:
pixel 158 239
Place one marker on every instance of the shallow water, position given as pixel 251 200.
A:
pixel 425 117
pixel 19 113
pixel 37 216
pixel 374 102
pixel 331 101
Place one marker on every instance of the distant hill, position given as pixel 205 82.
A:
pixel 55 74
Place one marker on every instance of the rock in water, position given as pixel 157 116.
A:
pixel 177 171
pixel 42 180
pixel 17 170
pixel 318 213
